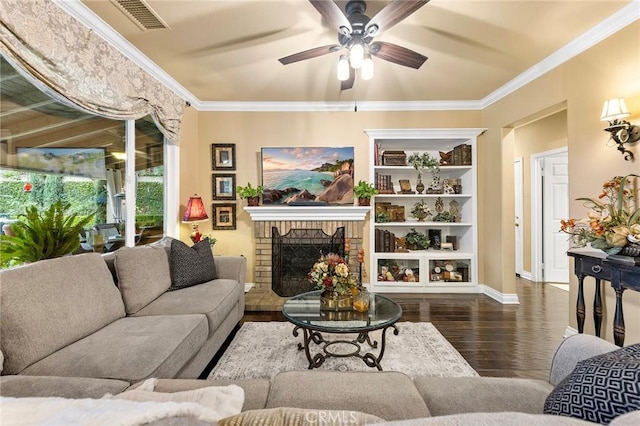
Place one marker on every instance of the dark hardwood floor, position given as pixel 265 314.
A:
pixel 496 340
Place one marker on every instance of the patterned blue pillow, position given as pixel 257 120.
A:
pixel 599 388
pixel 191 265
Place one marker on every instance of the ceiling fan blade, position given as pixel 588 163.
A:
pixel 308 54
pixel 391 14
pixel 397 54
pixel 348 84
pixel 333 14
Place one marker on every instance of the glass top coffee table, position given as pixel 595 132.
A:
pixel 304 312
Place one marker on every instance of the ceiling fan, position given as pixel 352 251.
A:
pixel 356 32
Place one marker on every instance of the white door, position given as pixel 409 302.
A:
pixel 518 194
pixel 555 208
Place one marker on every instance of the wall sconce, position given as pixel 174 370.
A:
pixel 194 213
pixel 622 132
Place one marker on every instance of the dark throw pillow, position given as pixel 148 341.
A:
pixel 599 388
pixel 191 265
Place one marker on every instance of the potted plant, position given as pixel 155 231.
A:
pixel 42 235
pixel 252 194
pixel 423 161
pixel 417 240
pixel 364 191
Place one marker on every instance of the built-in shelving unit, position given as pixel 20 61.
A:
pixel 430 270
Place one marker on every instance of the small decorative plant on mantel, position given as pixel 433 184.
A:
pixel 250 193
pixel 364 191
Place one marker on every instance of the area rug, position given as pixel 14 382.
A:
pixel 264 349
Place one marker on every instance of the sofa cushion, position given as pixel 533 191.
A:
pixel 450 395
pixel 143 275
pixel 216 299
pixel 299 417
pixel 387 394
pixel 22 386
pixel 191 265
pixel 493 419
pixel 600 388
pixel 131 349
pixel 47 305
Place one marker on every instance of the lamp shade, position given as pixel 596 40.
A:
pixel 614 109
pixel 195 210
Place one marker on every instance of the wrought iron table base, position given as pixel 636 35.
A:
pixel 315 361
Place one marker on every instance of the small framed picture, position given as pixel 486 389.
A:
pixel 224 216
pixel 223 186
pixel 223 156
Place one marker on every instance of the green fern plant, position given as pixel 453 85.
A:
pixel 45 235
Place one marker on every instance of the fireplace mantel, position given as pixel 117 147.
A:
pixel 321 213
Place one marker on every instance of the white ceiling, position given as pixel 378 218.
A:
pixel 227 51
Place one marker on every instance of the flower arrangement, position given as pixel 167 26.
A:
pixel 420 211
pixel 613 221
pixel 331 273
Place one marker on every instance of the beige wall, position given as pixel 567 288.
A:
pixel 539 136
pixel 583 83
pixel 252 131
pixel 610 69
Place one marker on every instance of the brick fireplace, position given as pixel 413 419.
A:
pixel 285 218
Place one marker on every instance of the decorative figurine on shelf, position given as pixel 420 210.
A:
pixel 439 205
pixel 447 187
pixel 410 277
pixel 434 186
pixel 446 158
pixel 454 208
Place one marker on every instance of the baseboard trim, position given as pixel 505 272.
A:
pixel 527 275
pixel 505 299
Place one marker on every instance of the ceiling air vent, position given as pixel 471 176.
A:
pixel 141 14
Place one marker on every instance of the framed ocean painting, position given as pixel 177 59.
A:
pixel 307 175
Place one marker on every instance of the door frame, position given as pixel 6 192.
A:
pixel 518 183
pixel 537 161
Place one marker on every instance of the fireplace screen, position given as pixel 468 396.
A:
pixel 294 254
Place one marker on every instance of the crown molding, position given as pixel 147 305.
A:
pixel 619 20
pixel 339 106
pixel 614 23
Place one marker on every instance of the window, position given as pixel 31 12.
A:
pixel 50 151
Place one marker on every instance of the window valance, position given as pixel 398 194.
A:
pixel 74 65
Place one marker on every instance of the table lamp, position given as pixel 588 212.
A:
pixel 194 213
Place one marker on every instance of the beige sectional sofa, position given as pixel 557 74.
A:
pixel 67 317
pixel 68 331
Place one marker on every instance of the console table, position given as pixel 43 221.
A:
pixel 623 272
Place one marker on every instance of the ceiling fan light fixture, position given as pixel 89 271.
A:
pixel 343 68
pixel 356 54
pixel 366 72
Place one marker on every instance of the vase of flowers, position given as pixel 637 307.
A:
pixel 613 220
pixel 420 211
pixel 331 275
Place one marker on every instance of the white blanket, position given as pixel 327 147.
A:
pixel 134 407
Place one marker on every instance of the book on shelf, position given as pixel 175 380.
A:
pixel 462 155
